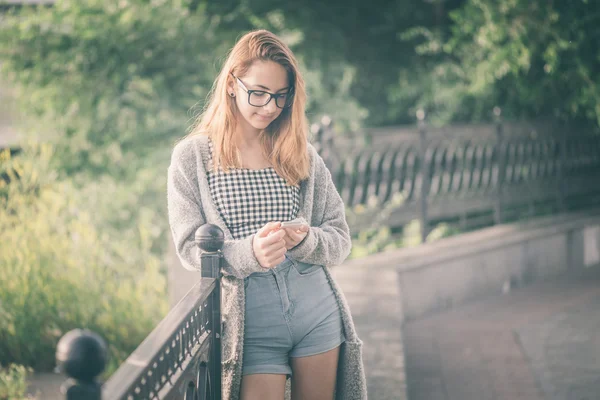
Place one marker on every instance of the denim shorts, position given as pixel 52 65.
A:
pixel 291 311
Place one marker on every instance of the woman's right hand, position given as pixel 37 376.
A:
pixel 269 245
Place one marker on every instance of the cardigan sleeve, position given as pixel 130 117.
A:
pixel 329 243
pixel 186 216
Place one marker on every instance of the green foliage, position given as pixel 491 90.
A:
pixel 441 231
pixel 13 382
pixel 457 59
pixel 380 239
pixel 105 79
pixel 65 267
pixel 531 58
pixel 375 235
pixel 108 81
pixel 352 34
pixel 332 97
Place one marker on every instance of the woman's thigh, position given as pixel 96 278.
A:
pixel 263 387
pixel 314 377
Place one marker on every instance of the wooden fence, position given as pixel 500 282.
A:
pixel 472 177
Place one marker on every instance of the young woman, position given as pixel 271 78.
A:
pixel 247 167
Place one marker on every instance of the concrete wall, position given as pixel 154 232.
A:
pixel 455 270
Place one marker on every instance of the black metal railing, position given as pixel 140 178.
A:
pixel 179 359
pixel 496 174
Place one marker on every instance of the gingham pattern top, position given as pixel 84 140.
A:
pixel 247 199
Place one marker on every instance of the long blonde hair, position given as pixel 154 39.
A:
pixel 284 140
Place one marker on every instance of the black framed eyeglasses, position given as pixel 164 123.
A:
pixel 260 98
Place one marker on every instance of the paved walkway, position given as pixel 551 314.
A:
pixel 375 306
pixel 541 342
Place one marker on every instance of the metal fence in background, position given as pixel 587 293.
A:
pixel 472 177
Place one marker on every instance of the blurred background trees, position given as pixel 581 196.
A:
pixel 105 88
pixel 455 58
pixel 534 58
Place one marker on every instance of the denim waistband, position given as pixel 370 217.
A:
pixel 283 266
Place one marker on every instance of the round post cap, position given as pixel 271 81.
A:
pixel 81 354
pixel 210 238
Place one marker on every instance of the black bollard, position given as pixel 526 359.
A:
pixel 82 356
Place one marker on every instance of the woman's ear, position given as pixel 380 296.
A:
pixel 230 87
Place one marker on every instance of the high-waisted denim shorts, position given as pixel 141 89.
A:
pixel 291 311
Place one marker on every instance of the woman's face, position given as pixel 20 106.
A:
pixel 263 76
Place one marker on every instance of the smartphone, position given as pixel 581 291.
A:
pixel 293 224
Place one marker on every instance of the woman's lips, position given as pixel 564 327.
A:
pixel 264 117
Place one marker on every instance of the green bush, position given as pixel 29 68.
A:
pixel 108 82
pixel 60 271
pixel 13 382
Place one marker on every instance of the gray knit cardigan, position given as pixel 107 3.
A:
pixel 328 243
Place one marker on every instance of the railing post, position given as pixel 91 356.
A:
pixel 424 170
pixel 501 163
pixel 210 239
pixel 81 355
pixel 562 164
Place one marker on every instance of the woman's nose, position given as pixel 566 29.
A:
pixel 270 107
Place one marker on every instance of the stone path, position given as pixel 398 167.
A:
pixel 539 342
pixel 375 306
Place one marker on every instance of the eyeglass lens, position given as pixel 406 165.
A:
pixel 259 99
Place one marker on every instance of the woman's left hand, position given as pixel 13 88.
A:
pixel 294 236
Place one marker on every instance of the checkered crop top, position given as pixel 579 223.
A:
pixel 247 199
